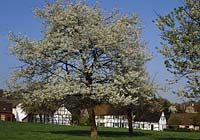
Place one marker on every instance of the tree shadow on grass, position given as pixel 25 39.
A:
pixel 101 133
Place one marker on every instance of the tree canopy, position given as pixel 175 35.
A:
pixel 180 32
pixel 84 52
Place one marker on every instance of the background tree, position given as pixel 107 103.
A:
pixel 80 52
pixel 180 31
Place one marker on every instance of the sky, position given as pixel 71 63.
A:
pixel 17 16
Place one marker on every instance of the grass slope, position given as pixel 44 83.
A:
pixel 28 131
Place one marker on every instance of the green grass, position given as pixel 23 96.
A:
pixel 28 131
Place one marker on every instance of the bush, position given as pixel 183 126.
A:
pixel 84 121
pixel 177 129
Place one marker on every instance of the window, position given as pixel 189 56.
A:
pixel 136 125
pixel 116 125
pixel 124 118
pixel 162 118
pixel 142 126
pixel 116 117
pixel 101 117
pixel 101 124
pixel 3 117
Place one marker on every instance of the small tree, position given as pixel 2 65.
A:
pixel 79 55
pixel 180 31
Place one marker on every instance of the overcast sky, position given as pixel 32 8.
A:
pixel 17 16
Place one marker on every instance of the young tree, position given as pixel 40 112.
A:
pixel 79 55
pixel 180 31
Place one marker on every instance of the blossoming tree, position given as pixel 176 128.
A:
pixel 84 52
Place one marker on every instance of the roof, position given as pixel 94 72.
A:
pixel 183 118
pixel 197 107
pixel 148 117
pixel 106 109
pixel 5 107
pixel 5 103
pixel 3 97
pixel 7 99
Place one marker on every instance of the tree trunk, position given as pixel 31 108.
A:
pixel 130 121
pixel 92 122
pixel 30 117
pixel 40 115
pixel 52 118
pixel 44 118
pixel 47 119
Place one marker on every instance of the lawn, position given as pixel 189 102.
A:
pixel 28 131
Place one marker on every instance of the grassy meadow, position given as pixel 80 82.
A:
pixel 28 131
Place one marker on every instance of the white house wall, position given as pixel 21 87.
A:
pixel 112 121
pixel 121 121
pixel 146 125
pixel 162 122
pixel 62 116
pixel 19 113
